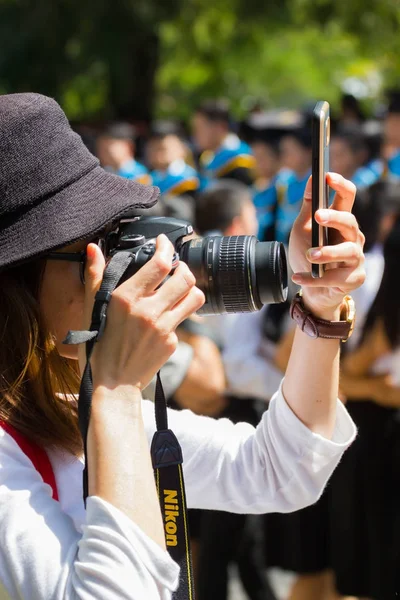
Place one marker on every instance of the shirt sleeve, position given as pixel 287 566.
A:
pixel 43 556
pixel 281 466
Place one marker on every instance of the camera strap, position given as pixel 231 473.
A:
pixel 166 453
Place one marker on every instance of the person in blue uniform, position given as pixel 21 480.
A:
pixel 115 148
pixel 295 149
pixel 224 155
pixel 266 153
pixel 269 175
pixel 369 173
pixel 349 157
pixel 166 155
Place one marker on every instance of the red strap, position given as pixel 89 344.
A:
pixel 36 454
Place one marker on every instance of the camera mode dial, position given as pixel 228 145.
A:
pixel 126 242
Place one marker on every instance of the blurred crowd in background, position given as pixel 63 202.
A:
pixel 248 178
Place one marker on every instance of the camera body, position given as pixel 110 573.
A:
pixel 138 236
pixel 236 273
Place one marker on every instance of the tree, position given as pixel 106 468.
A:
pixel 94 56
pixel 124 58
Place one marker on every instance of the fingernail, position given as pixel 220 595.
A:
pixel 335 178
pixel 296 278
pixel 324 215
pixel 162 241
pixel 90 252
pixel 314 253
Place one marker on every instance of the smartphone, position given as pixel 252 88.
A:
pixel 320 167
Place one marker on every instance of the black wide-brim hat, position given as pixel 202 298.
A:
pixel 52 190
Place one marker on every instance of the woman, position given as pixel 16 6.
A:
pixel 55 198
pixel 366 487
pixel 303 537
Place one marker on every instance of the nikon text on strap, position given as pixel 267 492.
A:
pixel 166 453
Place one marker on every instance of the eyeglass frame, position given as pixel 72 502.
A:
pixel 80 257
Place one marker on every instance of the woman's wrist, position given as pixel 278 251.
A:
pixel 118 397
pixel 330 313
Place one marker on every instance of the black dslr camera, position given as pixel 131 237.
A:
pixel 235 273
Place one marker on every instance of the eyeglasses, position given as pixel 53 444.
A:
pixel 80 257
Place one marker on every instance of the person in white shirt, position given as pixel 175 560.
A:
pixel 366 487
pixel 55 205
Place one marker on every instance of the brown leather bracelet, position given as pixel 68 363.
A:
pixel 319 328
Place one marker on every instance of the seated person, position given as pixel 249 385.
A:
pixel 166 155
pixel 115 148
pixel 224 154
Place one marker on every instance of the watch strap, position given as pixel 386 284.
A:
pixel 318 328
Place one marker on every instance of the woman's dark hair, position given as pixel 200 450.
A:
pixel 386 306
pixel 37 385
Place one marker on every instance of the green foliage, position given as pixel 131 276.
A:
pixel 122 58
pixel 85 54
pixel 220 53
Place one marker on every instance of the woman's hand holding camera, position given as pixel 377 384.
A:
pixel 142 317
pixel 344 259
pixel 138 338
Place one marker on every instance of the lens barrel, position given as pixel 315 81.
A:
pixel 236 273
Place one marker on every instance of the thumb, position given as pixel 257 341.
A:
pixel 305 211
pixel 95 265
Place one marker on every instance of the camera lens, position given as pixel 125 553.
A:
pixel 236 273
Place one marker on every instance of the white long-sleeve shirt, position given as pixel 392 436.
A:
pixel 58 551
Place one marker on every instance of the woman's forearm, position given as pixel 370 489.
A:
pixel 120 470
pixel 311 383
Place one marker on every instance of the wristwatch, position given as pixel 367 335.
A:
pixel 319 328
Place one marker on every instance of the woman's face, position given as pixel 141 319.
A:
pixel 62 298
